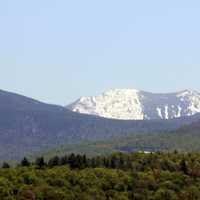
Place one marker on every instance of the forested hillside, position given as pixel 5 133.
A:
pixel 184 139
pixel 136 176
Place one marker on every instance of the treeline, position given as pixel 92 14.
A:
pixel 115 161
pixel 135 176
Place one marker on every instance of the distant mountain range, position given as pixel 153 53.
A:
pixel 131 104
pixel 28 126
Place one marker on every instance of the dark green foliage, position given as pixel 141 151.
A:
pixel 183 166
pixel 5 165
pixel 25 162
pixel 55 161
pixel 135 176
pixel 40 162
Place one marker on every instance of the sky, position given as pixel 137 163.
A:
pixel 58 50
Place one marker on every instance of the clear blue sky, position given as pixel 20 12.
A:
pixel 59 50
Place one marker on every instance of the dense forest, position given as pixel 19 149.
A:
pixel 135 176
pixel 184 139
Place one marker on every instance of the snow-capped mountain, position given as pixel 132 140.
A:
pixel 131 104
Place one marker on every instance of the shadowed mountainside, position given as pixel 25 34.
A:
pixel 28 126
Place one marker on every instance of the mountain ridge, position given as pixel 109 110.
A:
pixel 184 139
pixel 132 104
pixel 28 126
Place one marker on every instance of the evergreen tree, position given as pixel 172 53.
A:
pixel 183 166
pixel 85 164
pixel 5 165
pixel 40 162
pixel 72 161
pixel 55 161
pixel 25 162
pixel 64 160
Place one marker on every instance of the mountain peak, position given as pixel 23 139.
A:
pixel 188 92
pixel 132 104
pixel 118 92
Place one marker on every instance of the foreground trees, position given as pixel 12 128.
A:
pixel 136 176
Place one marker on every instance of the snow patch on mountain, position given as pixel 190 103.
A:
pixel 131 104
pixel 159 112
pixel 117 104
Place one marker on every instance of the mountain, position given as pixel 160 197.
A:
pixel 131 104
pixel 184 139
pixel 28 126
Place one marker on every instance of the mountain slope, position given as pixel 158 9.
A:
pixel 184 139
pixel 131 104
pixel 28 126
